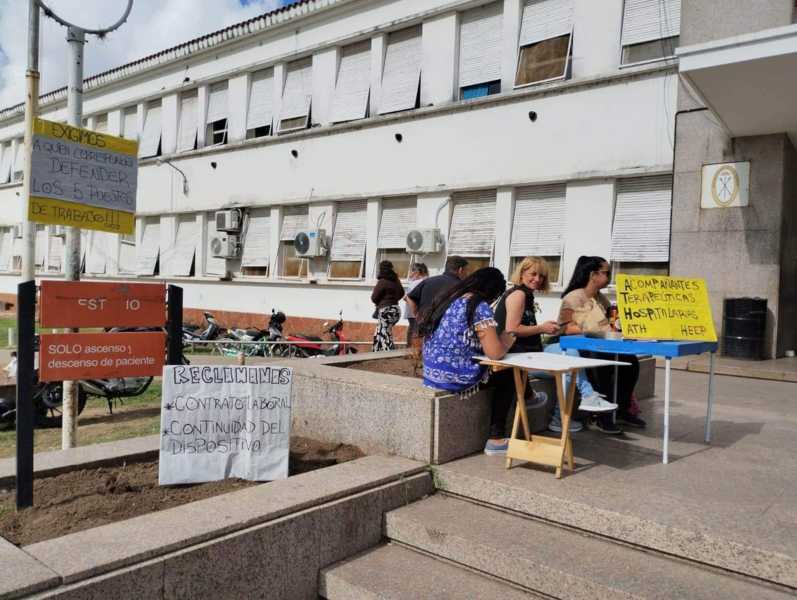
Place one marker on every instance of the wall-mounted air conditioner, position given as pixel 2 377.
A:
pixel 424 241
pixel 310 243
pixel 225 246
pixel 229 220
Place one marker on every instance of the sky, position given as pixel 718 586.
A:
pixel 153 25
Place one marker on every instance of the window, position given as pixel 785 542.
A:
pixel 350 99
pixel 188 124
pixel 97 252
pixel 401 76
pixel 148 253
pixel 641 227
pixel 294 220
pixel 130 123
pixel 55 247
pixel 296 96
pixel 545 41
pixel 19 162
pixel 41 246
pixel 178 261
pixel 6 160
pixel 6 247
pixel 127 253
pixel 348 240
pixel 639 268
pixel 538 225
pixel 472 231
pixel 651 29
pixel 554 267
pixel 480 90
pixel 101 123
pixel 16 248
pixel 261 104
pixel 397 220
pixel 257 243
pixel 217 115
pixel 480 47
pixel 151 137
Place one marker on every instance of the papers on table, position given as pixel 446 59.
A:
pixel 545 361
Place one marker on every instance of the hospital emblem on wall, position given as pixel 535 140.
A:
pixel 725 185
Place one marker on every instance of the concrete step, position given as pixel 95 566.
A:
pixel 566 502
pixel 553 560
pixel 393 572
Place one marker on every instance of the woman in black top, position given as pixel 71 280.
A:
pixel 386 295
pixel 515 313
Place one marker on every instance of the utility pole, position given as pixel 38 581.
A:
pixel 76 38
pixel 31 109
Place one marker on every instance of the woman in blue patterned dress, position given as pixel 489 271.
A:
pixel 457 326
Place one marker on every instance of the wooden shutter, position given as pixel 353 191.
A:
pixel 182 254
pixel 402 72
pixel 5 163
pixel 472 231
pixel 648 20
pixel 348 240
pixel 148 251
pixel 261 99
pixel 189 123
pixel 480 45
pixel 398 219
pixel 213 264
pixel 258 238
pixel 538 225
pixel 130 123
pixel 350 100
pixel 641 229
pixel 217 102
pixel 97 253
pixel 294 220
pixel 298 89
pixel 545 19
pixel 150 139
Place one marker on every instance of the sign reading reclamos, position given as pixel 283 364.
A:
pixel 664 308
pixel 82 178
pixel 221 421
pixel 101 304
pixel 73 356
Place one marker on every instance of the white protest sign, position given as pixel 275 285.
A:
pixel 224 421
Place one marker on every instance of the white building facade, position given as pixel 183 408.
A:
pixel 515 127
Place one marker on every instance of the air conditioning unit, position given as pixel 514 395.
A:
pixel 17 230
pixel 229 220
pixel 423 241
pixel 311 243
pixel 59 230
pixel 225 246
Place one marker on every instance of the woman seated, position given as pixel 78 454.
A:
pixel 457 326
pixel 584 310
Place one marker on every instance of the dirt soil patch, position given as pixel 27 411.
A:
pixel 406 366
pixel 89 498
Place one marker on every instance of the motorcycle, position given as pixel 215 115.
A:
pixel 304 346
pixel 194 334
pixel 272 333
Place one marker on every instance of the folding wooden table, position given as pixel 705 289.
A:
pixel 553 452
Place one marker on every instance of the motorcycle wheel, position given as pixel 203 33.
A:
pixel 48 400
pixel 351 350
pixel 297 352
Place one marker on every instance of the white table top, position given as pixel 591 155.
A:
pixel 545 361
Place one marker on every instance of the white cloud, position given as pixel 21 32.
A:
pixel 153 25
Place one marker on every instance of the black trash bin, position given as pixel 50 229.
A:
pixel 744 327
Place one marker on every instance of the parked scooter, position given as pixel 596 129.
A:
pixel 305 346
pixel 211 332
pixel 272 333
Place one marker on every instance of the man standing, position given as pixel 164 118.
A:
pixel 427 290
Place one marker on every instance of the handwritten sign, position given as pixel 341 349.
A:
pixel 101 304
pixel 667 308
pixel 82 178
pixel 224 421
pixel 73 356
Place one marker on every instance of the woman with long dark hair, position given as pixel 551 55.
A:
pixel 385 296
pixel 457 326
pixel 584 310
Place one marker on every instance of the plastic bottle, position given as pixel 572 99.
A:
pixel 613 316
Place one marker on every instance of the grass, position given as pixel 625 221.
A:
pixel 137 416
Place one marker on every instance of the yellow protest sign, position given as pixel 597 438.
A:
pixel 82 178
pixel 664 308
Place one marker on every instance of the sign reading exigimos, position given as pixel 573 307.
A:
pixel 82 178
pixel 664 308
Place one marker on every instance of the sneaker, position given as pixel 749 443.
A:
pixel 631 420
pixel 606 425
pixel 556 425
pixel 596 402
pixel 492 447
